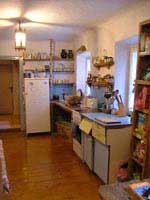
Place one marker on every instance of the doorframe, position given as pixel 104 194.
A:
pixel 12 60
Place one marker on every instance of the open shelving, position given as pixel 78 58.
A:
pixel 47 59
pixel 140 142
pixel 71 71
pixel 142 54
pixel 104 64
pixel 63 83
pixel 142 82
pixel 136 161
pixel 58 65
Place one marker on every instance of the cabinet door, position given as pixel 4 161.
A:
pixel 88 150
pixel 101 160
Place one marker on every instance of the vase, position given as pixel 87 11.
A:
pixel 70 54
pixel 63 53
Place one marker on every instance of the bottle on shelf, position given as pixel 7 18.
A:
pixel 63 54
pixel 70 54
pixel 142 42
pixel 147 44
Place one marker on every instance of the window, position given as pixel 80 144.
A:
pixel 132 77
pixel 125 69
pixel 83 67
pixel 88 69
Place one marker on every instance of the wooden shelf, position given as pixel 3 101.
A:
pixel 142 54
pixel 136 160
pixel 105 64
pixel 142 82
pixel 26 59
pixel 63 83
pixel 54 59
pixel 63 59
pixel 145 111
pixel 105 84
pixel 64 71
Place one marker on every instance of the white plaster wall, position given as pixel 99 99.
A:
pixel 89 39
pixel 7 47
pixel 126 23
pixel 122 25
pixel 105 40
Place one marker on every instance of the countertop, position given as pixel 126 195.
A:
pixel 124 121
pixel 92 114
pixel 69 108
pixel 116 191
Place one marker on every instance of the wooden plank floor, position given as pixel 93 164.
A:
pixel 45 168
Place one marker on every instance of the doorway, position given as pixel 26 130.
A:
pixel 9 95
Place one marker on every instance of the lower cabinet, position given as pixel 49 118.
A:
pixel 104 148
pixel 101 160
pixel 111 147
pixel 87 144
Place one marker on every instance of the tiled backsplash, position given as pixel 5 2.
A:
pixel 59 89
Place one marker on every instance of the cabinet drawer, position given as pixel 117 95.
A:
pixel 98 132
pixel 86 126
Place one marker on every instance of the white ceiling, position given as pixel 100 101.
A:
pixel 63 19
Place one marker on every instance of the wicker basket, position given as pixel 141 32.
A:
pixel 64 128
pixel 59 128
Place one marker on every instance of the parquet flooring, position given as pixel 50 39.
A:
pixel 45 168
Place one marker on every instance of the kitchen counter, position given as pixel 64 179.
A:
pixel 116 191
pixel 62 112
pixel 70 109
pixel 124 121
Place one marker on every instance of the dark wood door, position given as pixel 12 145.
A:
pixel 6 89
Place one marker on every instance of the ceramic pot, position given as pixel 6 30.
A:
pixel 70 54
pixel 63 53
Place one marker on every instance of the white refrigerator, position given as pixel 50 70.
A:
pixel 37 105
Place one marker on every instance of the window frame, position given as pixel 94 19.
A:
pixel 131 49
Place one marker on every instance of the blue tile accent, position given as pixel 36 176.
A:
pixel 59 89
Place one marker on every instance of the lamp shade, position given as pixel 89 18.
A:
pixel 20 39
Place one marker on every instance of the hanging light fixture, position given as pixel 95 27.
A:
pixel 20 38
